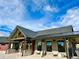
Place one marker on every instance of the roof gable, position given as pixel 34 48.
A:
pixel 14 32
pixel 24 31
pixel 27 32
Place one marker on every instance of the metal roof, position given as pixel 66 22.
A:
pixel 62 31
pixel 27 32
pixel 67 34
pixel 74 33
pixel 3 39
pixel 55 31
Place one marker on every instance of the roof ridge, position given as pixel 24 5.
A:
pixel 55 28
pixel 24 28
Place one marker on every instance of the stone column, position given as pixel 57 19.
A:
pixel 72 48
pixel 69 48
pixel 11 45
pixel 23 48
pixel 43 48
pixel 20 46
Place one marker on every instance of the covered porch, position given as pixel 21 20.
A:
pixel 20 42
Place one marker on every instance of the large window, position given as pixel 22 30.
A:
pixel 39 46
pixel 49 46
pixel 61 46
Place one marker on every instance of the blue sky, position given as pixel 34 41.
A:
pixel 38 14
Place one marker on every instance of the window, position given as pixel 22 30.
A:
pixel 49 46
pixel 61 46
pixel 39 46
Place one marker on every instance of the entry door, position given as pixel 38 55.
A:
pixel 16 46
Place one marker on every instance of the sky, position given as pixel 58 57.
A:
pixel 38 14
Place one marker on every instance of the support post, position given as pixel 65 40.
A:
pixel 67 48
pixel 23 48
pixel 43 48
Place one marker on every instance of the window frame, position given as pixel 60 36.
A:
pixel 39 46
pixel 49 50
pixel 61 48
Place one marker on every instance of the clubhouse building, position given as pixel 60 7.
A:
pixel 61 41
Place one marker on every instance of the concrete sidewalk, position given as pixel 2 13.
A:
pixel 18 56
pixel 8 56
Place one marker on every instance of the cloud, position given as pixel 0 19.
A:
pixel 1 34
pixel 15 13
pixel 71 18
pixel 49 8
pixel 4 33
pixel 10 11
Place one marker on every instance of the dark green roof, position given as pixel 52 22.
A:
pixel 67 34
pixel 53 31
pixel 27 32
pixel 3 39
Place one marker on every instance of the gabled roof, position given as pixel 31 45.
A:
pixel 33 34
pixel 27 32
pixel 3 39
pixel 24 31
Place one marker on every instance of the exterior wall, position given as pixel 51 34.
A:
pixel 3 47
pixel 54 43
pixel 54 46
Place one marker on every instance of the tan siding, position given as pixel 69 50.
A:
pixel 54 46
